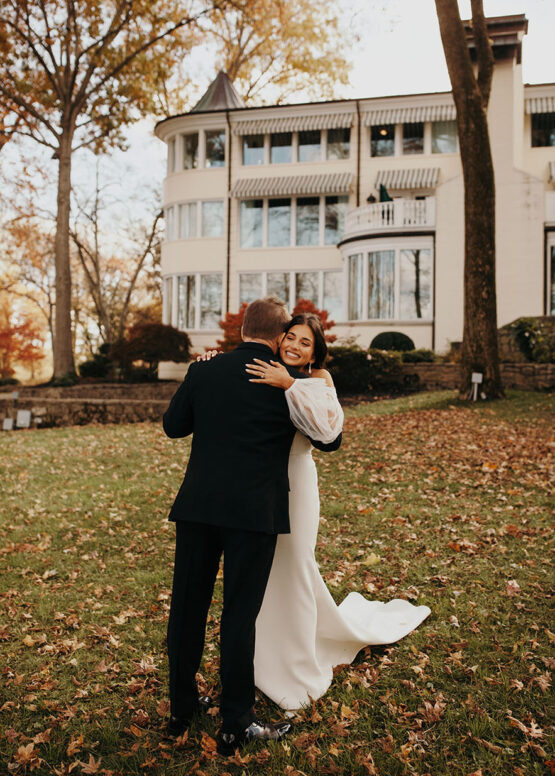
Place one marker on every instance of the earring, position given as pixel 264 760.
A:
pixel 310 367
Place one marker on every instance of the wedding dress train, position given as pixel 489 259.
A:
pixel 301 633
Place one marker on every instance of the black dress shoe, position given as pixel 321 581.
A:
pixel 178 725
pixel 227 743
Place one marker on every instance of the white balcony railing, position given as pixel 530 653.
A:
pixel 397 215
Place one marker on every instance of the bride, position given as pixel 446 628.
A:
pixel 301 634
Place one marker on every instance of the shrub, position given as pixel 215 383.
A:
pixel 151 343
pixel 535 339
pixel 231 326
pixel 350 368
pixel 8 381
pixel 100 365
pixel 65 381
pixel 392 340
pixel 385 368
pixel 418 356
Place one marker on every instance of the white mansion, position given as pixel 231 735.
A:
pixel 356 205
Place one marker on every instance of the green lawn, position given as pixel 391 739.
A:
pixel 428 499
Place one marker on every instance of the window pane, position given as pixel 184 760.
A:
pixel 333 295
pixel 190 151
pixel 416 284
pixel 213 219
pixel 413 137
pixel 308 211
pixel 278 284
pixel 250 287
pixel 171 155
pixel 339 142
pixel 215 148
pixel 279 222
pixel 281 147
pixel 186 301
pixel 306 286
pixel 253 149
pixel 168 300
pixel 188 220
pixel 251 223
pixel 310 146
pixel 354 312
pixel 553 280
pixel 210 300
pixel 381 283
pixel 543 129
pixel 170 223
pixel 336 207
pixel 382 140
pixel 444 137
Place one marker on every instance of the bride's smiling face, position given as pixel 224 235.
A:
pixel 297 346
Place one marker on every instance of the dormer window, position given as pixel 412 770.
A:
pixel 215 148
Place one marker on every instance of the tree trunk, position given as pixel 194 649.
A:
pixel 479 351
pixel 63 348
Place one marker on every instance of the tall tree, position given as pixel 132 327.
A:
pixel 73 74
pixel 471 92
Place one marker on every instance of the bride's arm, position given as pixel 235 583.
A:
pixel 313 405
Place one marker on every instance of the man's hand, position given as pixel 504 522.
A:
pixel 273 373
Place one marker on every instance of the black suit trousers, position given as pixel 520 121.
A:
pixel 248 559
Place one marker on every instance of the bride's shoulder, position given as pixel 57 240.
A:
pixel 324 375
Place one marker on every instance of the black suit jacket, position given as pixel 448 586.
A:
pixel 242 434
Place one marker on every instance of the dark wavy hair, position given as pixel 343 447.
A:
pixel 315 325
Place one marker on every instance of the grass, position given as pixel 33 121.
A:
pixel 440 502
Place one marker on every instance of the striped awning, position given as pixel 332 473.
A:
pixel 540 104
pixel 407 115
pixel 294 123
pixel 551 172
pixel 290 185
pixel 419 178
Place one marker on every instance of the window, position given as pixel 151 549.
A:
pixel 413 137
pixel 335 209
pixel 168 299
pixel 543 129
pixel 279 284
pixel 190 151
pixel 381 280
pixel 279 222
pixel 250 287
pixel 251 223
pixel 333 294
pixel 355 268
pixel 210 300
pixel 310 145
pixel 323 287
pixel 552 274
pixel 215 148
pixel 382 140
pixel 339 143
pixel 281 147
pixel 253 149
pixel 308 212
pixel 391 284
pixel 171 155
pixel 199 300
pixel 306 286
pixel 186 301
pixel 415 284
pixel 444 137
pixel 188 220
pixel 213 218
pixel 170 223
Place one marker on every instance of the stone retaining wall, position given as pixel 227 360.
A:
pixel 526 377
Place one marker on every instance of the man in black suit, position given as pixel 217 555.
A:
pixel 233 500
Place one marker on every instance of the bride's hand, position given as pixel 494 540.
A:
pixel 273 373
pixel 208 355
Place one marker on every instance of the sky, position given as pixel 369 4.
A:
pixel 400 53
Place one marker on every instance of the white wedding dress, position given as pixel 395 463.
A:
pixel 301 633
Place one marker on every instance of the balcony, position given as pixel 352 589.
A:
pixel 396 216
